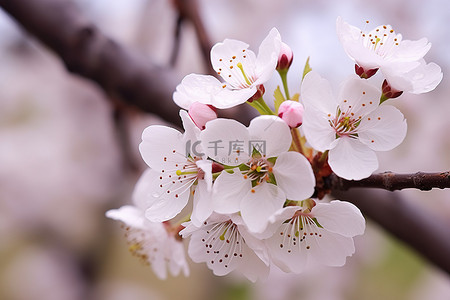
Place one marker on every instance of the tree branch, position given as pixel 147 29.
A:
pixel 391 181
pixel 86 51
pixel 426 234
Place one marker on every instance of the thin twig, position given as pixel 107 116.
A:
pixel 392 181
pixel 189 10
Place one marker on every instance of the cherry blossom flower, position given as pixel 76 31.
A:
pixel 313 233
pixel 351 126
pixel 174 169
pixel 150 241
pixel 225 244
pixel 242 71
pixel 400 60
pixel 267 175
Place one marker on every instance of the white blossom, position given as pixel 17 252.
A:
pixel 322 234
pixel 225 244
pixel 351 126
pixel 239 67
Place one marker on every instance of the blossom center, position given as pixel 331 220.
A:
pixel 382 40
pixel 259 170
pixel 345 123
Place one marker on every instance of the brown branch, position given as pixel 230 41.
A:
pixel 86 51
pixel 392 181
pixel 427 234
pixel 189 10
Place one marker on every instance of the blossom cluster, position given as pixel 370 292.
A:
pixel 250 197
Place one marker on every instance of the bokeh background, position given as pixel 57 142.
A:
pixel 67 156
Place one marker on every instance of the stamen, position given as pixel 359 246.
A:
pixel 239 65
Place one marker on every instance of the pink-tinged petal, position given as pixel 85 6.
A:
pixel 273 132
pixel 196 88
pixel 162 147
pixel 317 129
pixel 383 129
pixel 358 96
pixel 340 217
pixel 259 204
pixel 412 50
pixel 130 215
pixel 294 175
pixel 203 205
pixel 228 191
pixel 227 55
pixel 352 160
pixel 331 249
pixel 316 93
pixel 267 59
pixel 176 257
pixel 226 141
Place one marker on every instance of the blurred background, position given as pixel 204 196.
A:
pixel 67 155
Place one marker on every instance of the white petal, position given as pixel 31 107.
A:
pixel 228 191
pixel 358 96
pixel 203 205
pixel 340 217
pixel 287 256
pixel 422 79
pixel 167 206
pixel 142 194
pixel 383 129
pixel 316 93
pixel 206 167
pixel 273 132
pixel 267 59
pixel 412 50
pixel 196 88
pixel 318 131
pixel 190 135
pixel 162 147
pixel 228 97
pixel 259 204
pixel 331 249
pixel 351 159
pixel 130 215
pixel 224 58
pixel 226 141
pixel 294 175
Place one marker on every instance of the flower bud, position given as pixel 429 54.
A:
pixel 291 112
pixel 202 113
pixel 285 57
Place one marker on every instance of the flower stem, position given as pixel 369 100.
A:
pixel 261 106
pixel 297 142
pixel 324 157
pixel 283 75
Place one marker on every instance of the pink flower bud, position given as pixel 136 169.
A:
pixel 291 112
pixel 285 57
pixel 364 73
pixel 202 113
